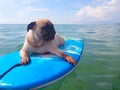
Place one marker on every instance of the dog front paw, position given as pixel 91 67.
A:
pixel 25 60
pixel 70 60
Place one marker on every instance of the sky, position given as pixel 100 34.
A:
pixel 60 11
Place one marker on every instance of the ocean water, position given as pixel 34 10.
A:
pixel 99 68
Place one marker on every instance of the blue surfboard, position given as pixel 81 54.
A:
pixel 43 69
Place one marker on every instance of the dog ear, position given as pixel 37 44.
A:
pixel 31 26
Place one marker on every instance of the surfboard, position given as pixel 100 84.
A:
pixel 43 69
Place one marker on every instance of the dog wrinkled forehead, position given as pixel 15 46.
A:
pixel 40 24
pixel 43 23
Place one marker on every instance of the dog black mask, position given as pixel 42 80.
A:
pixel 48 32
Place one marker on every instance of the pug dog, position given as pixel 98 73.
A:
pixel 41 38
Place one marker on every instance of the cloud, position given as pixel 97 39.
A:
pixel 92 12
pixel 105 12
pixel 29 1
pixel 29 10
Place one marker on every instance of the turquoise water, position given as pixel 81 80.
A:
pixel 99 68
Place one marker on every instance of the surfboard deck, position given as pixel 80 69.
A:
pixel 43 69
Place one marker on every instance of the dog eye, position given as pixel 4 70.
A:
pixel 46 27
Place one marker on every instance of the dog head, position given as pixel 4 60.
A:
pixel 44 28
